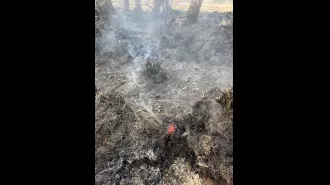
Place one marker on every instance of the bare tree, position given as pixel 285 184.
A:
pixel 193 11
pixel 138 6
pixel 162 2
pixel 161 6
pixel 126 5
pixel 157 5
pixel 164 7
pixel 168 4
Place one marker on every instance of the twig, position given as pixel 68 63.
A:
pixel 149 6
pixel 106 170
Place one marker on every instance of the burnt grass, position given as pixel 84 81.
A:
pixel 154 72
pixel 134 150
pixel 167 148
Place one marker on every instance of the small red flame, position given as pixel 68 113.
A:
pixel 171 129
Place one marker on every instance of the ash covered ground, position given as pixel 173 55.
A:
pixel 151 71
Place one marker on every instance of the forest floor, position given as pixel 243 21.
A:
pixel 151 71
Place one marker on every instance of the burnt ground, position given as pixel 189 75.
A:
pixel 151 71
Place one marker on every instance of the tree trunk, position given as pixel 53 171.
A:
pixel 168 5
pixel 138 6
pixel 165 6
pixel 193 11
pixel 157 6
pixel 163 2
pixel 126 5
